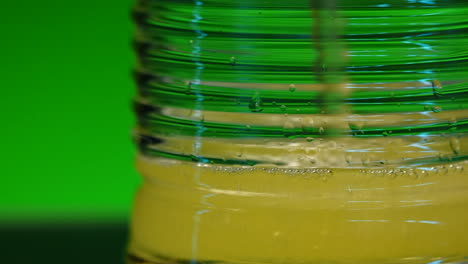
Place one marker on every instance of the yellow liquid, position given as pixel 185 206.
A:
pixel 188 212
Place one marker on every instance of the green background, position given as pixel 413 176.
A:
pixel 67 175
pixel 66 149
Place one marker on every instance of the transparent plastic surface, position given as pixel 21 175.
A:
pixel 301 131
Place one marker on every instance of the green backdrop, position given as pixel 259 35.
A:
pixel 66 149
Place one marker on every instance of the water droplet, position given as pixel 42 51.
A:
pixel 288 128
pixel 385 134
pixel 411 173
pixel 455 145
pixel 298 109
pixel 443 170
pixel 452 124
pixel 365 161
pixel 309 139
pixel 256 103
pixel 248 127
pixel 188 87
pixel 323 67
pixel 233 60
pixel 355 128
pixel 191 41
pixel 441 156
pixel 436 88
pixel 283 108
pixel 427 107
pixel 436 109
pixel 292 88
pixel 332 144
pixel 453 120
pixel 321 130
pixel 424 173
pixel 348 158
pixel 274 103
pixel 195 158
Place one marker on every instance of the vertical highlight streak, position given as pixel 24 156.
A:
pixel 196 54
pixel 197 113
pixel 196 227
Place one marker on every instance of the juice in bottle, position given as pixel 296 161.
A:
pixel 190 213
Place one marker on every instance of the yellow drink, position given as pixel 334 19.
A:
pixel 195 213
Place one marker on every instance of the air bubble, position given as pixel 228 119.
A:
pixel 436 88
pixel 436 109
pixel 323 67
pixel 355 128
pixel 288 128
pixel 188 87
pixel 348 158
pixel 452 123
pixel 365 161
pixel 292 88
pixel 256 103
pixel 444 157
pixel 233 61
pixel 455 145
pixel 288 125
